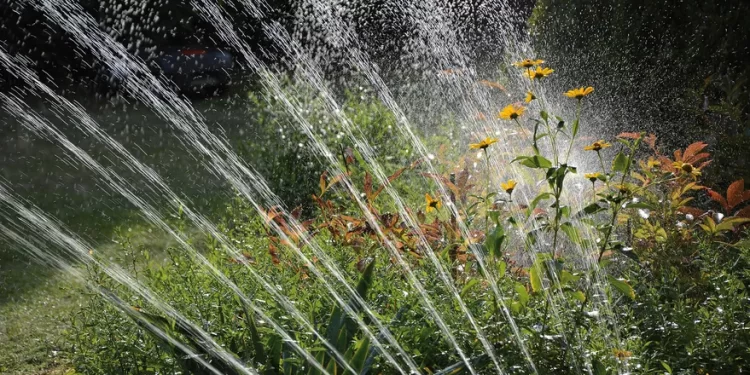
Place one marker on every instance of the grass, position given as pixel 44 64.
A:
pixel 35 302
pixel 36 305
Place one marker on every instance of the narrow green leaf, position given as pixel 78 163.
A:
pixel 639 205
pixel 274 363
pixel 501 267
pixel 571 232
pixel 468 286
pixel 599 368
pixel 666 367
pixel 523 295
pixel 620 164
pixel 536 279
pixel 358 360
pixel 622 286
pixel 578 296
pixel 535 202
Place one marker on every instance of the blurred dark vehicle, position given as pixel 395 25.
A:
pixel 195 70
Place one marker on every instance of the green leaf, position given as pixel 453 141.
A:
pixel 535 161
pixel 639 205
pixel 535 202
pixel 599 368
pixel 501 267
pixel 579 296
pixel 731 223
pixel 571 232
pixel 544 115
pixel 589 210
pixel 274 364
pixel 260 354
pixel 575 128
pixel 622 286
pixel 494 242
pixel 567 277
pixel 666 367
pixel 620 164
pixel 523 295
pixel 358 360
pixel 515 306
pixel 536 279
pixel 468 286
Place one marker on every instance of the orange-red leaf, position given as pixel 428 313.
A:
pixel 349 156
pixel 629 135
pixel 493 85
pixel 736 193
pixel 296 212
pixel 745 212
pixel 718 198
pixel 390 179
pixel 692 151
pixel 696 212
pixel 322 182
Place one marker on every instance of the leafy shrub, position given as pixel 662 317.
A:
pixel 284 155
pixel 623 275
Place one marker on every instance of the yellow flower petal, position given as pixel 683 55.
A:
pixel 511 112
pixel 597 146
pixel 508 186
pixel 529 97
pixel 537 73
pixel 579 93
pixel 483 144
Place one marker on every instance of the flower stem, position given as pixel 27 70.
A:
pixel 573 136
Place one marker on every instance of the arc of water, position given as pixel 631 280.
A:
pixel 448 47
pixel 360 61
pixel 38 124
pixel 313 75
pixel 46 227
pixel 272 83
pixel 53 261
pixel 90 126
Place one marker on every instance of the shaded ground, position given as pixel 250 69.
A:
pixel 35 302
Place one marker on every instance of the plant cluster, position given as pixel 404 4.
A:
pixel 507 265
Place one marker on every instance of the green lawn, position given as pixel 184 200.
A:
pixel 35 305
pixel 35 302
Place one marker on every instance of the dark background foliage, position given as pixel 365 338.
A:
pixel 679 69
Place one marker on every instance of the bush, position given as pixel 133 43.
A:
pixel 285 156
pixel 523 264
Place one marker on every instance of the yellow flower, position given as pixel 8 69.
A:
pixel 528 63
pixel 538 73
pixel 529 97
pixel 511 112
pixel 653 163
pixel 623 188
pixel 687 168
pixel 483 144
pixel 622 354
pixel 580 92
pixel 508 186
pixel 593 176
pixel 432 204
pixel 597 146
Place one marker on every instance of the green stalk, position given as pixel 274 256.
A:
pixel 572 138
pixel 487 195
